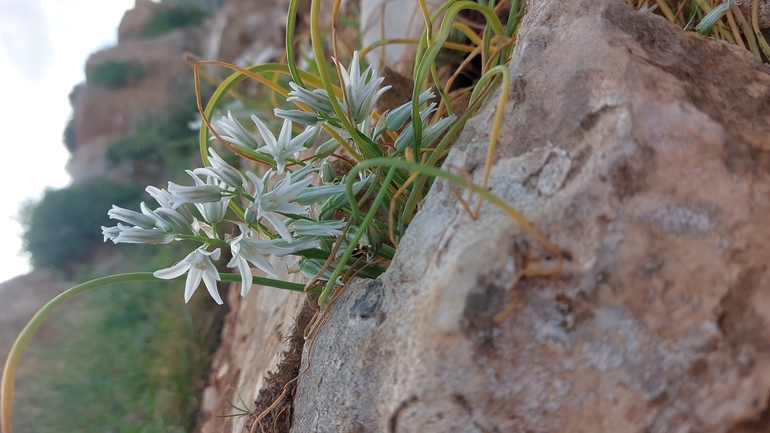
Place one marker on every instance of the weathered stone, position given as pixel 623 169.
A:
pixel 393 19
pixel 135 20
pixel 642 152
pixel 102 114
pixel 253 341
pixel 246 32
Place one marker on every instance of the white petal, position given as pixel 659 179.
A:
pixel 192 282
pixel 174 271
pixel 279 226
pixel 264 131
pixel 210 278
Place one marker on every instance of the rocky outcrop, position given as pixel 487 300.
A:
pixel 255 336
pixel 393 19
pixel 246 32
pixel 20 299
pixel 642 152
pixel 103 114
pixel 135 20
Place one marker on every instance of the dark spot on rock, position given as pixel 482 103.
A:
pixel 628 173
pixel 739 322
pixel 367 305
pixel 482 304
pixel 393 419
pixel 579 159
pixel 590 119
pixel 650 266
pixel 698 367
pixel 518 92
pixel 758 425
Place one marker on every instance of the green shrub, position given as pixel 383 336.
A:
pixel 167 19
pixel 161 141
pixel 68 136
pixel 61 228
pixel 115 74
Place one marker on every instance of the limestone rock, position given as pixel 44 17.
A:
pixel 391 19
pixel 253 341
pixel 102 114
pixel 135 20
pixel 643 153
pixel 20 299
pixel 247 32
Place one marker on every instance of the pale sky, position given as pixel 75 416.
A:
pixel 44 45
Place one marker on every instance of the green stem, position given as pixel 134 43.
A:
pixel 455 179
pixel 364 224
pixel 9 373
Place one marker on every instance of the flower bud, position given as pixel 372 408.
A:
pixel 328 174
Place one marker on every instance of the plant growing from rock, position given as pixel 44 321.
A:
pixel 337 223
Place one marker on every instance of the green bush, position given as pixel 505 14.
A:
pixel 61 228
pixel 160 143
pixel 68 137
pixel 167 19
pixel 115 74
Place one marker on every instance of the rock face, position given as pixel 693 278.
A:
pixel 103 114
pixel 135 20
pixel 392 19
pixel 643 152
pixel 246 32
pixel 254 338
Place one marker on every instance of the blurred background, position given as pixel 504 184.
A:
pixel 98 103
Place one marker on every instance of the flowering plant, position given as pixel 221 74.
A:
pixel 337 206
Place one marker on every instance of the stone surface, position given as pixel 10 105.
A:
pixel 393 19
pixel 643 153
pixel 247 32
pixel 135 20
pixel 102 114
pixel 20 299
pixel 253 340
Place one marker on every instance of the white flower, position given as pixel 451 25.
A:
pixel 247 249
pixel 204 193
pixel 317 99
pixel 123 234
pixel 299 116
pixel 233 132
pixel 269 205
pixel 200 267
pixel 222 171
pixel 284 146
pixel 429 132
pixel 181 217
pixel 212 211
pixel 360 90
pixel 131 217
pixel 309 228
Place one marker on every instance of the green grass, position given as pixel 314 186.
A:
pixel 128 359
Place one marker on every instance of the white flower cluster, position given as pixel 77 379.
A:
pixel 275 208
